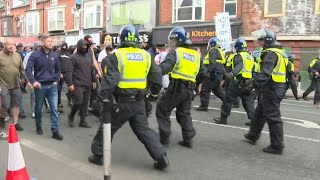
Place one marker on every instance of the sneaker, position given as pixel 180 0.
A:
pixel 18 127
pixel 22 115
pixel 7 118
pixel 3 136
pixel 57 136
pixel 33 115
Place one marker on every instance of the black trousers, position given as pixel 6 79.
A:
pixel 233 92
pixel 311 88
pixel 179 97
pixel 212 85
pixel 317 93
pixel 135 113
pixel 268 110
pixel 80 99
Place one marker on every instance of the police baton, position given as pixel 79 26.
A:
pixel 106 119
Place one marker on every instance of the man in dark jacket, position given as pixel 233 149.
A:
pixel 46 67
pixel 64 60
pixel 80 79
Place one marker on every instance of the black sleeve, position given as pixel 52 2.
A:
pixel 69 71
pixel 238 64
pixel 169 62
pixel 203 74
pixel 268 63
pixel 57 68
pixel 110 80
pixel 154 78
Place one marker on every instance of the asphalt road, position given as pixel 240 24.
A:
pixel 219 150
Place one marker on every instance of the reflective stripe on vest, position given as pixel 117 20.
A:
pixel 279 72
pixel 133 65
pixel 221 61
pixel 230 59
pixel 247 61
pixel 291 65
pixel 187 64
pixel 313 62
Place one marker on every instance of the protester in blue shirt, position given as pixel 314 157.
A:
pixel 46 67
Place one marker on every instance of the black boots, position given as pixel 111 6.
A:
pixel 161 163
pixel 220 120
pixel 97 160
pixel 202 108
pixel 273 150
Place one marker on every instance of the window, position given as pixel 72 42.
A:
pixel 124 13
pixel 32 23
pixel 188 10
pixel 22 26
pixel 93 14
pixel 76 20
pixel 56 19
pixel 7 26
pixel 317 7
pixel 19 3
pixel 53 2
pixel 274 8
pixel 34 4
pixel 231 7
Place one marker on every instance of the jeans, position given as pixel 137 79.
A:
pixel 49 91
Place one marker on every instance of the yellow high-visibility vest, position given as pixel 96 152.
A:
pixel 280 71
pixel 248 63
pixel 221 61
pixel 187 65
pixel 230 59
pixel 134 65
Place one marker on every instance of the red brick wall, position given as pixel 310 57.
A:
pixel 212 7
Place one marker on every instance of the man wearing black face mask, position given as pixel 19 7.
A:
pixel 80 79
pixel 64 60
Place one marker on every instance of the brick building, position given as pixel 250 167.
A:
pixel 197 16
pixel 25 20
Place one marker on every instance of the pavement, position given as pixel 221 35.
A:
pixel 219 151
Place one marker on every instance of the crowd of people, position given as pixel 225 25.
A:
pixel 117 84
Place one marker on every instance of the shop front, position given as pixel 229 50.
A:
pixel 199 34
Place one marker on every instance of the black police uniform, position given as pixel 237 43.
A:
pixel 292 82
pixel 130 106
pixel 178 95
pixel 234 91
pixel 212 84
pixel 316 68
pixel 268 109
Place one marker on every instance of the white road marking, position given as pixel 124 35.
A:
pixel 247 129
pixel 301 122
pixel 289 104
pixel 300 101
pixel 83 167
pixel 306 112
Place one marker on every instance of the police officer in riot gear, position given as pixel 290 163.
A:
pixel 214 62
pixel 240 76
pixel 128 71
pixel 271 82
pixel 290 77
pixel 184 66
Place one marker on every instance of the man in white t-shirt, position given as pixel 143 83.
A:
pixel 158 60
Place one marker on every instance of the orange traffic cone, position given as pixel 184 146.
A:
pixel 16 165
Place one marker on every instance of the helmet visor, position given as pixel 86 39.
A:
pixel 259 34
